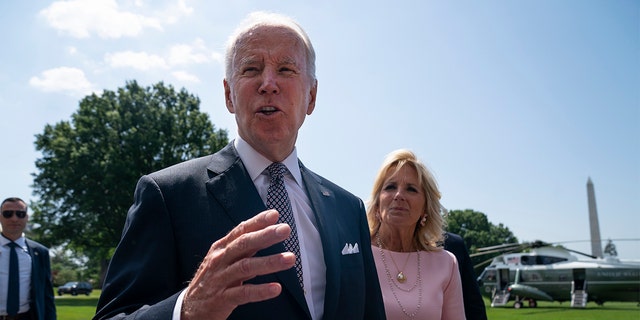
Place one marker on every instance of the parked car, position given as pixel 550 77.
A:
pixel 74 288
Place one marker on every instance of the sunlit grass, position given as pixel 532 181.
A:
pixel 80 307
pixel 83 307
pixel 556 310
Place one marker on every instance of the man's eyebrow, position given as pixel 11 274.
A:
pixel 287 60
pixel 246 60
pixel 252 60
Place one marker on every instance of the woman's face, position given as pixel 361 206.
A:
pixel 402 200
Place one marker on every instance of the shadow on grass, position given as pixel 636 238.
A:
pixel 77 302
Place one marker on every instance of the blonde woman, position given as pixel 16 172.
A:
pixel 418 278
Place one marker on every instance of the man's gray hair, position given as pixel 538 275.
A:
pixel 259 19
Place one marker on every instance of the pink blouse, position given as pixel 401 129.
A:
pixel 433 293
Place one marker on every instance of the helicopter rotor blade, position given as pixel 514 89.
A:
pixel 482 264
pixel 499 247
pixel 582 253
pixel 477 254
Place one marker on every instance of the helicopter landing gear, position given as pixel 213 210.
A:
pixel 520 303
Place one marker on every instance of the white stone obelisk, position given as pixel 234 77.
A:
pixel 596 243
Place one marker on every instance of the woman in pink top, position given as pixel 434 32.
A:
pixel 418 278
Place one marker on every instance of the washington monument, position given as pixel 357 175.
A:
pixel 596 244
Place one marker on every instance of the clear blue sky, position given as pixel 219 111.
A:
pixel 512 104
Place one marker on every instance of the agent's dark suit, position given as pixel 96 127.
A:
pixel 474 308
pixel 180 211
pixel 42 305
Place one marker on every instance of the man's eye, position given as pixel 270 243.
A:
pixel 250 70
pixel 287 70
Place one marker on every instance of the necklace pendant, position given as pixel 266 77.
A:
pixel 401 277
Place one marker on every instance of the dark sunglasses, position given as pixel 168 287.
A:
pixel 9 213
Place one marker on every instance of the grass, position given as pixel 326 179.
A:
pixel 80 307
pixel 83 307
pixel 556 310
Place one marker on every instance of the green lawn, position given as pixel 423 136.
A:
pixel 80 307
pixel 555 310
pixel 83 307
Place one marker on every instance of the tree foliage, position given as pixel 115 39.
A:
pixel 66 267
pixel 477 231
pixel 90 165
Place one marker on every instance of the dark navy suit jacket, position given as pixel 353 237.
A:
pixel 42 305
pixel 180 211
pixel 474 308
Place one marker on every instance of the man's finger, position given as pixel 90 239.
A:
pixel 249 268
pixel 253 293
pixel 257 222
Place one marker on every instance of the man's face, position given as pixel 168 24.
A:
pixel 270 91
pixel 13 225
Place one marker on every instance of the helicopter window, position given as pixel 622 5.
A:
pixel 528 260
pixel 489 275
pixel 532 277
pixel 549 260
pixel 540 260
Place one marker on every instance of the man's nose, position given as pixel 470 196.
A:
pixel 269 82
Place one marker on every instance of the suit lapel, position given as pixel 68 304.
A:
pixel 233 188
pixel 321 199
pixel 34 257
pixel 35 274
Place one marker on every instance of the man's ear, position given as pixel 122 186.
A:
pixel 312 97
pixel 227 96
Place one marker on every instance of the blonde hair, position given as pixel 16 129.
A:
pixel 429 236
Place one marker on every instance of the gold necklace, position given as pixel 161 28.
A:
pixel 401 277
pixel 418 283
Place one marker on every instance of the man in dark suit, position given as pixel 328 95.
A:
pixel 474 308
pixel 34 298
pixel 199 242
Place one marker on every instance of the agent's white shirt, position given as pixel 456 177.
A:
pixel 24 265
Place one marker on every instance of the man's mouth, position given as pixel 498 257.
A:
pixel 268 110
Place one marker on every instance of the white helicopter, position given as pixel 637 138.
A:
pixel 552 273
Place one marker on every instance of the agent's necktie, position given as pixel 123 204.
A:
pixel 13 298
pixel 277 198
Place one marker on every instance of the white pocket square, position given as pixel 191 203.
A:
pixel 350 248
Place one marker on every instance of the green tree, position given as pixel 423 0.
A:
pixel 90 165
pixel 478 232
pixel 66 267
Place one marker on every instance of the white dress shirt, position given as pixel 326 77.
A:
pixel 312 256
pixel 24 264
